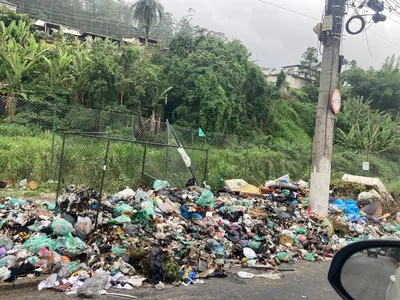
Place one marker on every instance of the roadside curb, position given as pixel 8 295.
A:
pixel 22 283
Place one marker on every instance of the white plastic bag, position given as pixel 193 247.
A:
pixel 95 286
pixel 84 224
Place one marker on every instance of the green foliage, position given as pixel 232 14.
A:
pixel 311 91
pixel 346 162
pixel 293 121
pixel 381 86
pixel 310 65
pixel 7 16
pixel 366 129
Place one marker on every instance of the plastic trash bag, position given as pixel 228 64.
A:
pixel 156 265
pixel 120 220
pixel 215 247
pixel 84 225
pixel 16 201
pixel 148 207
pixel 35 243
pixel 249 253
pixel 62 227
pixel 165 207
pixel 123 208
pixel 160 184
pixel 206 199
pixel 141 195
pixel 95 285
pixel 123 195
pixel 188 274
pixel 72 245
pixel 6 242
pixel 4 273
pixel 3 261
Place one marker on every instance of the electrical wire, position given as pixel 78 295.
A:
pixel 390 42
pixel 289 10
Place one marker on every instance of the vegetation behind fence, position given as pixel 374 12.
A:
pixel 31 144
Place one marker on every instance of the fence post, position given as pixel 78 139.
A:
pixel 167 153
pixel 246 160
pixel 133 125
pixel 206 167
pixel 310 163
pixel 51 175
pixel 132 167
pixel 102 182
pixel 286 158
pixel 144 161
pixel 61 167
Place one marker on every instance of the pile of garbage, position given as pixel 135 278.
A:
pixel 170 235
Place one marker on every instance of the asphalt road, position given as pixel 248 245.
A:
pixel 366 277
pixel 308 281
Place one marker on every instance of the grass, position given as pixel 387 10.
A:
pixel 29 157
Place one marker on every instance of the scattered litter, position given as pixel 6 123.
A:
pixel 245 275
pixel 179 236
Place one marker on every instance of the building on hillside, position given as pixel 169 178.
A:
pixel 139 41
pixel 50 28
pixel 91 36
pixel 294 76
pixel 10 6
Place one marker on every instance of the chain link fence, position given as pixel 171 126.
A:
pixel 107 163
pixel 31 138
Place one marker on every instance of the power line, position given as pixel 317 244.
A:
pixel 313 18
pixel 289 10
pixel 384 39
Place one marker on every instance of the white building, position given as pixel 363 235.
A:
pixel 293 76
pixel 10 6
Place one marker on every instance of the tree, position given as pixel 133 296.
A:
pixel 147 13
pixel 310 66
pixel 208 76
pixel 281 81
pixel 7 16
pixel 381 86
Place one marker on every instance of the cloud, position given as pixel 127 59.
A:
pixel 277 37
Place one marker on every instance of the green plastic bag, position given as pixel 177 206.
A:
pixel 253 245
pixel 35 243
pixel 118 250
pixel 16 201
pixel 123 208
pixel 160 184
pixel 120 220
pixel 206 199
pixel 310 257
pixel 141 195
pixel 301 230
pixel 73 245
pixel 61 227
pixel 284 256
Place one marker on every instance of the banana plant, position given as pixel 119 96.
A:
pixel 17 60
pixel 58 65
pixel 79 61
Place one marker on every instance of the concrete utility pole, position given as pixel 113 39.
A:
pixel 323 138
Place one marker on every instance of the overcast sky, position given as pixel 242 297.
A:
pixel 277 37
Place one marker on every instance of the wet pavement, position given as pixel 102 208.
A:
pixel 308 281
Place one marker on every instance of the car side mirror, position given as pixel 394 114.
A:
pixel 367 270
